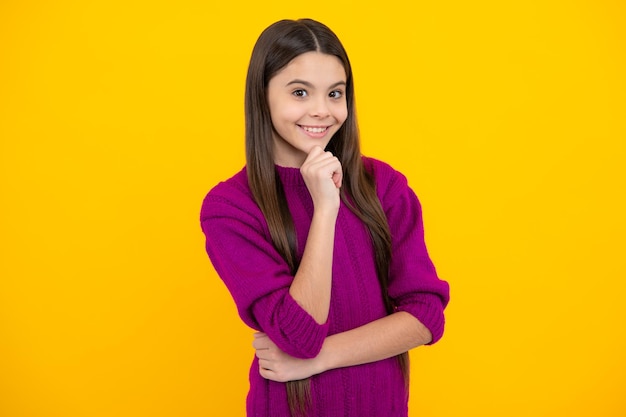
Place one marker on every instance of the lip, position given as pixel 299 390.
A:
pixel 314 131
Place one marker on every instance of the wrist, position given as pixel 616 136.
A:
pixel 325 211
pixel 324 360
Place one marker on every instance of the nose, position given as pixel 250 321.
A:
pixel 319 108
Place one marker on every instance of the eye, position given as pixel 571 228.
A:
pixel 300 93
pixel 335 94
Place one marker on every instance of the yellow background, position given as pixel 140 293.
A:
pixel 116 117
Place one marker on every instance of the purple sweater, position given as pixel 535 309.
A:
pixel 239 245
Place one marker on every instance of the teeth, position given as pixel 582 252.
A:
pixel 314 129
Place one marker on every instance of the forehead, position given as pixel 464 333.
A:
pixel 313 67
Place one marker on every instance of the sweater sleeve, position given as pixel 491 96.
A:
pixel 258 278
pixel 414 285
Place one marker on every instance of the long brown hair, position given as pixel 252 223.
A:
pixel 280 43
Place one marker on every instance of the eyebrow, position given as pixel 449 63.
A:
pixel 308 84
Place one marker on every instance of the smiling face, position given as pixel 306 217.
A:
pixel 307 105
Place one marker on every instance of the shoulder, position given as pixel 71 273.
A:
pixel 230 197
pixel 389 182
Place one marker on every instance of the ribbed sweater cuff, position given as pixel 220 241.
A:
pixel 427 308
pixel 304 337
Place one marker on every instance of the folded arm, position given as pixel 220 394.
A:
pixel 377 340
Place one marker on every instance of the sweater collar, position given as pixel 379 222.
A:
pixel 290 176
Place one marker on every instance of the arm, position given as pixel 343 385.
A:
pixel 311 285
pixel 268 296
pixel 377 340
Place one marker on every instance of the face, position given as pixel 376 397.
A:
pixel 307 104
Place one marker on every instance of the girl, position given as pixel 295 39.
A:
pixel 321 248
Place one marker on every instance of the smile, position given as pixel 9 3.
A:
pixel 312 129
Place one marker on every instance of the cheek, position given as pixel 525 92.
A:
pixel 342 114
pixel 280 110
pixel 287 114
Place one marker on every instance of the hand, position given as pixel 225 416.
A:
pixel 276 365
pixel 323 176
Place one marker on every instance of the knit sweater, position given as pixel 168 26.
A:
pixel 239 245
